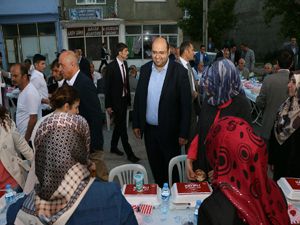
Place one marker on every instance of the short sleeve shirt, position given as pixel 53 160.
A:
pixel 29 102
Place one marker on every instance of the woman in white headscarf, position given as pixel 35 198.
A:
pixel 285 138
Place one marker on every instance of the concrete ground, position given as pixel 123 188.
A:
pixel 138 147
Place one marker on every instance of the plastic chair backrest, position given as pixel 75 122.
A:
pixel 125 173
pixel 179 161
pixel 102 103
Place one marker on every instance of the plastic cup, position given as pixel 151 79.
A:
pixel 139 182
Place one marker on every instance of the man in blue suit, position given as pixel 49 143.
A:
pixel 201 56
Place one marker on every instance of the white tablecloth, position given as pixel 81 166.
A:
pixel 252 97
pixel 2 211
pixel 174 217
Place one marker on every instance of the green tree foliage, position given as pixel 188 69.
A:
pixel 221 18
pixel 192 25
pixel 289 10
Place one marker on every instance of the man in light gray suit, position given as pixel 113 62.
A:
pixel 186 52
pixel 274 92
pixel 249 56
pixel 294 48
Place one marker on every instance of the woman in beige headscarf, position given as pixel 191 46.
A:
pixel 65 192
pixel 285 138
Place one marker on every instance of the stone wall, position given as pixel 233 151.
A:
pixel 252 29
pixel 130 10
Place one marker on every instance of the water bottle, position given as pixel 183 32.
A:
pixel 198 203
pixel 10 195
pixel 165 196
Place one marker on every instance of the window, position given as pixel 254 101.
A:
pixel 23 41
pixel 46 28
pixel 90 2
pixel 169 29
pixel 90 39
pixel 150 0
pixel 93 47
pixel 139 38
pixel 28 29
pixel 10 30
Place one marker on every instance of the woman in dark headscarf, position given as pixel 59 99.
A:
pixel 285 138
pixel 224 97
pixel 243 193
pixel 65 192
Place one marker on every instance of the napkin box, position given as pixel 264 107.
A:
pixel 149 195
pixel 290 187
pixel 189 193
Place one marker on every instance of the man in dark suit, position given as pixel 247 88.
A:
pixel 89 107
pixel 235 54
pixel 104 56
pixel 186 55
pixel 294 48
pixel 84 64
pixel 117 99
pixel 57 79
pixel 162 109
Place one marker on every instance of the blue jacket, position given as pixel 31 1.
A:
pixel 102 204
pixel 197 60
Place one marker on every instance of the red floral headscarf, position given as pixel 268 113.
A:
pixel 239 159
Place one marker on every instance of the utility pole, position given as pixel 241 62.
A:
pixel 116 8
pixel 205 23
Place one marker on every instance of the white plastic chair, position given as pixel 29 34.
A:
pixel 180 162
pixel 130 108
pixel 125 173
pixel 102 103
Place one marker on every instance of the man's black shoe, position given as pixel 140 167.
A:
pixel 133 159
pixel 116 151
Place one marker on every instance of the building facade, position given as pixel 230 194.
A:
pixel 29 27
pixel 87 24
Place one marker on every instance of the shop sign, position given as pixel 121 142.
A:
pixel 75 32
pixel 111 30
pixel 86 14
pixel 93 31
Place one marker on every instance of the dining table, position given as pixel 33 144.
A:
pixel 252 88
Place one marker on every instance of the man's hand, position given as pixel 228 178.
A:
pixel 45 101
pixel 189 170
pixel 182 141
pixel 109 110
pixel 137 133
pixel 195 94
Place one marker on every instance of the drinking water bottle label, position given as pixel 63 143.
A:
pixel 139 182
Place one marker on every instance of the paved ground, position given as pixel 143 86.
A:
pixel 138 147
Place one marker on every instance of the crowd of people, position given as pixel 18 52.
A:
pixel 54 149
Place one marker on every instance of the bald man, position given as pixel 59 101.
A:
pixel 242 70
pixel 89 107
pixel 162 109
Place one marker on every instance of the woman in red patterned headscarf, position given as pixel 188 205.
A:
pixel 243 193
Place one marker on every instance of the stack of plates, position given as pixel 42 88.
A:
pixel 189 193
